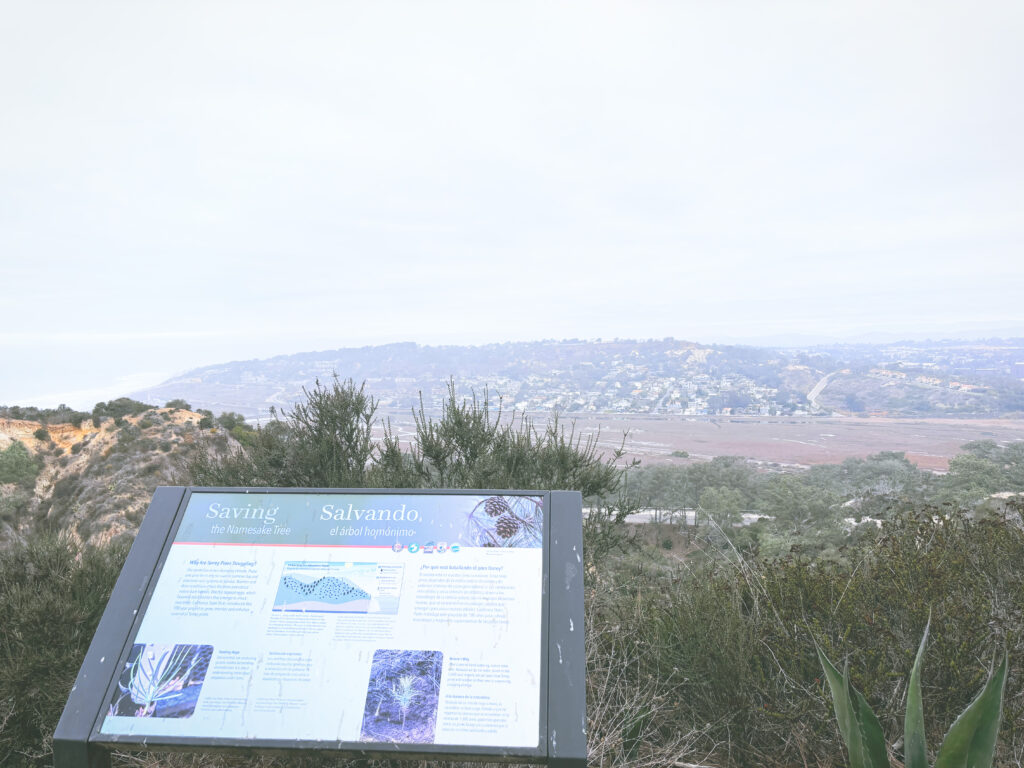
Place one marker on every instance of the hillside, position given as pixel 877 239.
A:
pixel 92 481
pixel 724 607
pixel 663 377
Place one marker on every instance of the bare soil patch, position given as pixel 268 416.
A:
pixel 804 441
pixel 798 441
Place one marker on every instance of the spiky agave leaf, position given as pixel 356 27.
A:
pixel 858 725
pixel 971 740
pixel 873 739
pixel 914 744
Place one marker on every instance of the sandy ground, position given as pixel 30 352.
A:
pixel 929 443
pixel 797 441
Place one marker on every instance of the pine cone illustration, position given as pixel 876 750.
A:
pixel 506 526
pixel 496 506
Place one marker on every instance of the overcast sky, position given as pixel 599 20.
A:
pixel 189 183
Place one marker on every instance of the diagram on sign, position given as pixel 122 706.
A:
pixel 329 587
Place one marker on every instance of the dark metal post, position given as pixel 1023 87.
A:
pixel 567 664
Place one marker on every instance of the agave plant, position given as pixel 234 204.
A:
pixel 969 743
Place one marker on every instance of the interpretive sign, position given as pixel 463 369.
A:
pixel 405 623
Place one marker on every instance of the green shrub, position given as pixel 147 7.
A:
pixel 206 421
pixel 66 487
pixel 244 434
pixel 736 634
pixel 13 505
pixel 52 594
pixel 42 434
pixel 19 466
pixel 971 740
pixel 123 406
pixel 178 403
pixel 327 442
pixel 230 420
pixel 127 436
pixel 59 415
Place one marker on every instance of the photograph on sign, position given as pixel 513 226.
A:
pixel 365 618
pixel 405 684
pixel 161 680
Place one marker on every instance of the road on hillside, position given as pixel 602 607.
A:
pixel 812 396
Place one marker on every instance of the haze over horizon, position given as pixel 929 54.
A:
pixel 191 184
pixel 119 384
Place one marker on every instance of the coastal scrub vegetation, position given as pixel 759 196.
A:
pixel 821 511
pixel 18 466
pixel 59 415
pixel 701 625
pixel 327 442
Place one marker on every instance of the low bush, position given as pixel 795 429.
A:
pixel 739 635
pixel 59 415
pixel 123 406
pixel 13 506
pixel 18 466
pixel 52 594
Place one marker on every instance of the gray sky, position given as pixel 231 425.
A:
pixel 188 183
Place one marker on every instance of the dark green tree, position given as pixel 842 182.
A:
pixel 205 418
pixel 19 466
pixel 324 442
pixel 721 472
pixel 117 409
pixel 229 420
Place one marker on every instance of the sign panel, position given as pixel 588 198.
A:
pixel 342 617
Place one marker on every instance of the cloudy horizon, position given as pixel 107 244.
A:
pixel 188 184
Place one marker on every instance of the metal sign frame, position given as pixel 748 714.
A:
pixel 78 742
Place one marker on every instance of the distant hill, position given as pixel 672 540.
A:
pixel 665 376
